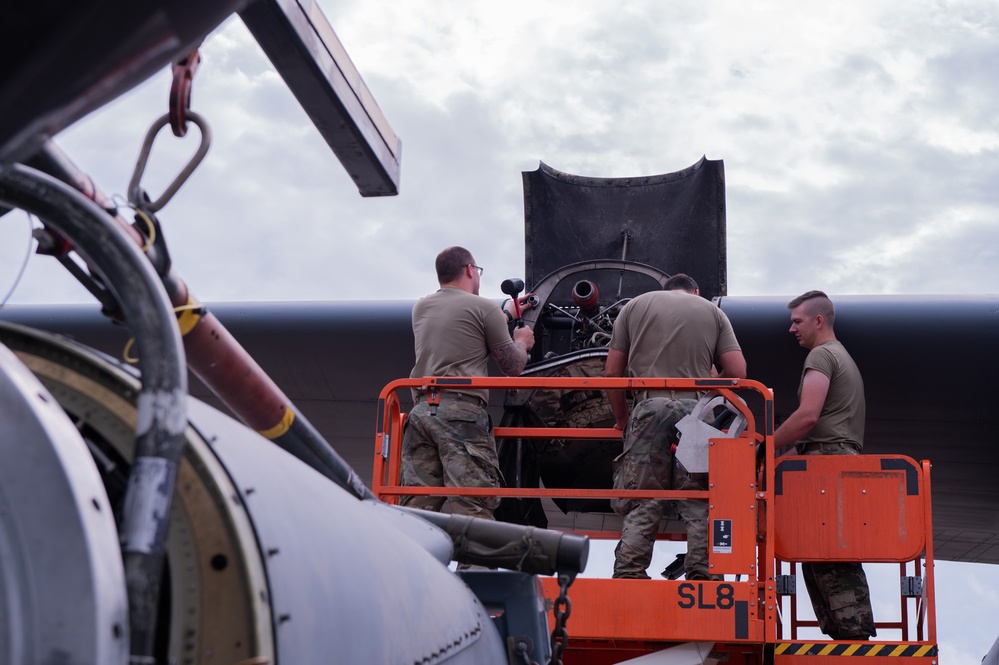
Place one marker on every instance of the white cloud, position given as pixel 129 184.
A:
pixel 838 125
pixel 949 134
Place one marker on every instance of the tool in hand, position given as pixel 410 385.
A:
pixel 512 287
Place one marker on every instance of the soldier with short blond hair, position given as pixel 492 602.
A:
pixel 829 420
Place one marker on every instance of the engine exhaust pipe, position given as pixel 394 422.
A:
pixel 585 295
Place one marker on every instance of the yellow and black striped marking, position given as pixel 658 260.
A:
pixel 855 649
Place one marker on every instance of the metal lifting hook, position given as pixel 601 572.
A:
pixel 135 192
pixel 180 91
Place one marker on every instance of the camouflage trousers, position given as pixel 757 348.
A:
pixel 454 448
pixel 695 516
pixel 647 463
pixel 838 590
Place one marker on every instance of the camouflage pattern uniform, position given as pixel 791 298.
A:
pixel 695 515
pixel 663 334
pixel 454 448
pixel 454 333
pixel 646 464
pixel 838 590
pixel 576 407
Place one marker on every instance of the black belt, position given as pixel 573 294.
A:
pixel 806 448
pixel 446 396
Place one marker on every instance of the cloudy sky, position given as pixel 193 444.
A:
pixel 860 141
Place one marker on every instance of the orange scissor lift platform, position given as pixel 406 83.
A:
pixel 766 516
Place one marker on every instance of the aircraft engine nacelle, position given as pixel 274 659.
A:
pixel 267 561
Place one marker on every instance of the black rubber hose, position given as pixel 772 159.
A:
pixel 495 544
pixel 214 354
pixel 161 404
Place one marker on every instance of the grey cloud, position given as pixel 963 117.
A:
pixel 860 68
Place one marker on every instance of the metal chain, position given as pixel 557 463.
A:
pixel 560 638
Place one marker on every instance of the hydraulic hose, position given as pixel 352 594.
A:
pixel 215 356
pixel 497 544
pixel 161 404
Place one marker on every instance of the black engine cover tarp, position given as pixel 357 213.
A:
pixel 674 222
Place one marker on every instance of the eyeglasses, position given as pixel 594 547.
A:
pixel 481 270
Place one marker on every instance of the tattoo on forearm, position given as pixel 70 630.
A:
pixel 511 358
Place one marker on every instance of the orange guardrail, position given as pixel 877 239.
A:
pixel 775 513
pixel 390 423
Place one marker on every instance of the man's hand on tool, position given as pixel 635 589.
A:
pixel 524 335
pixel 526 303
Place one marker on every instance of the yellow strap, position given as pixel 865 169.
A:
pixel 281 427
pixel 188 315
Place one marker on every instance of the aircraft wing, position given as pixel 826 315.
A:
pixel 927 373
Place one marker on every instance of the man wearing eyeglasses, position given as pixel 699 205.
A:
pixel 456 332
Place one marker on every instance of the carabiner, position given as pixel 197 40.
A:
pixel 135 192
